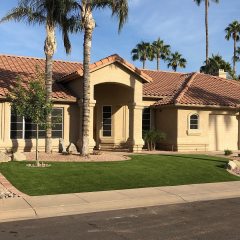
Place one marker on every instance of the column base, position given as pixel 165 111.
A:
pixel 136 148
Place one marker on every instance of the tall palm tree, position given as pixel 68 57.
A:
pixel 233 31
pixel 160 51
pixel 119 8
pixel 176 60
pixel 52 14
pixel 206 21
pixel 143 52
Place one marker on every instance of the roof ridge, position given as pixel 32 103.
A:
pixel 185 87
pixel 37 58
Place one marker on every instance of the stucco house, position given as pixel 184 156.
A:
pixel 197 112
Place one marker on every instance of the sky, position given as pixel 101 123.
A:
pixel 180 23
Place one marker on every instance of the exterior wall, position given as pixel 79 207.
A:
pixel 69 115
pixel 196 140
pixel 166 121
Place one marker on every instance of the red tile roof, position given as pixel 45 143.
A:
pixel 194 89
pixel 13 66
pixel 104 62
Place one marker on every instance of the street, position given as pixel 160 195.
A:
pixel 200 220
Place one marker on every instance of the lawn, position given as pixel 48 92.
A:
pixel 141 171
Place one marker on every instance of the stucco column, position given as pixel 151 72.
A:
pixel 135 127
pixel 91 133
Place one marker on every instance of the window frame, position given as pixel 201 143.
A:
pixel 194 132
pixel 111 125
pixel 23 135
pixel 150 118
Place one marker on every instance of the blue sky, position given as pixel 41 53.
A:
pixel 179 23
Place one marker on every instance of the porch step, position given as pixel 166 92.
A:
pixel 111 147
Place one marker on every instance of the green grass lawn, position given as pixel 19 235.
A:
pixel 141 171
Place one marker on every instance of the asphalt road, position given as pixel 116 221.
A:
pixel 193 221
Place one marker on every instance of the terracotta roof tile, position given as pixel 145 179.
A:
pixel 192 89
pixel 12 67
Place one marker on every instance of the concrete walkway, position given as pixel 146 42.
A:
pixel 77 203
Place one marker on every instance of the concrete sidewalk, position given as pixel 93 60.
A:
pixel 78 203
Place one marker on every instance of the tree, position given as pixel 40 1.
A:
pixel 119 8
pixel 206 21
pixel 52 14
pixel 215 63
pixel 30 102
pixel 143 52
pixel 176 60
pixel 160 51
pixel 233 31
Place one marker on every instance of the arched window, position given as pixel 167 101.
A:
pixel 194 121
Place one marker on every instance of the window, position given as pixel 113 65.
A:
pixel 194 121
pixel 107 121
pixel 22 128
pixel 146 119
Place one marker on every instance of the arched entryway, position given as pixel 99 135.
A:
pixel 112 115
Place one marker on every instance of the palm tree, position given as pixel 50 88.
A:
pixel 160 51
pixel 206 20
pixel 233 31
pixel 52 14
pixel 215 63
pixel 176 60
pixel 119 8
pixel 143 52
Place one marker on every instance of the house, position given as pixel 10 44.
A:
pixel 197 112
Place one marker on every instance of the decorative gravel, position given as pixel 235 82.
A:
pixel 99 157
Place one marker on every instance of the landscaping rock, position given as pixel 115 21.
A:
pixel 4 157
pixel 19 156
pixel 62 148
pixel 232 165
pixel 72 148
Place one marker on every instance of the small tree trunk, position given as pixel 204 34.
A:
pixel 37 133
pixel 234 55
pixel 49 49
pixel 206 26
pixel 143 64
pixel 89 25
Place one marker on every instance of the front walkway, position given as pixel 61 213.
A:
pixel 78 203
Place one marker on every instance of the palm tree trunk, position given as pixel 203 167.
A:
pixel 89 25
pixel 206 26
pixel 143 64
pixel 234 55
pixel 158 63
pixel 49 49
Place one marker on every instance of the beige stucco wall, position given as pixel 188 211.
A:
pixel 70 123
pixel 191 140
pixel 166 121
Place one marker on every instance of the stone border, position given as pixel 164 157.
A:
pixel 10 187
pixel 233 173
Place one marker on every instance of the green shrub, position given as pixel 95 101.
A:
pixel 152 137
pixel 227 152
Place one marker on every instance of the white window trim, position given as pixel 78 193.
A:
pixel 193 132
